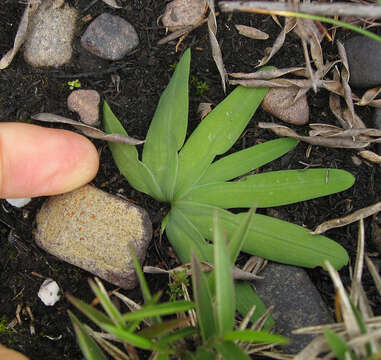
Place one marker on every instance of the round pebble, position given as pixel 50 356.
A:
pixel 86 104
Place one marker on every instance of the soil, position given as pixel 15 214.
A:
pixel 143 76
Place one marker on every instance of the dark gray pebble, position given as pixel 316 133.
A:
pixel 364 58
pixel 110 37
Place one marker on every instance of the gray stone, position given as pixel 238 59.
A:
pixel 364 58
pixel 297 302
pixel 86 104
pixel 110 37
pixel 50 40
pixel 280 103
pixel 377 125
pixel 93 230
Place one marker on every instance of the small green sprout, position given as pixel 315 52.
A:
pixel 176 291
pixel 200 85
pixel 75 84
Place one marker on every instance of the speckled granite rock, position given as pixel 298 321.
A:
pixel 110 37
pixel 50 40
pixel 364 58
pixel 93 230
pixel 297 302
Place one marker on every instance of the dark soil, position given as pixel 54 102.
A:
pixel 143 76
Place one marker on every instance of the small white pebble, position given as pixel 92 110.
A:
pixel 19 202
pixel 48 292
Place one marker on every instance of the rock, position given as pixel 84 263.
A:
pixel 50 40
pixel 86 104
pixel 377 125
pixel 364 57
pixel 279 102
pixel 110 37
pixel 48 292
pixel 296 300
pixel 181 13
pixel 93 230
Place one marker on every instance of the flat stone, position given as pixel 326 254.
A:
pixel 50 40
pixel 93 230
pixel 182 13
pixel 86 104
pixel 110 37
pixel 364 58
pixel 297 302
pixel 279 102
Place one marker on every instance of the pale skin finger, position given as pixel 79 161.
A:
pixel 37 161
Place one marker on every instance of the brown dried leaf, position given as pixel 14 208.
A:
pixel 369 96
pixel 216 51
pixel 346 220
pixel 371 156
pixel 112 3
pixel 290 23
pixel 204 109
pixel 274 83
pixel 87 130
pixel 270 74
pixel 251 32
pixel 22 33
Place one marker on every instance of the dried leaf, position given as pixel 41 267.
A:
pixel 274 83
pixel 112 3
pixel 271 74
pixel 22 33
pixel 369 96
pixel 374 272
pixel 204 109
pixel 290 23
pixel 346 220
pixel 87 130
pixel 371 156
pixel 216 51
pixel 251 32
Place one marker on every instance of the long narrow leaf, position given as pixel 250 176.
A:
pixel 177 335
pixel 273 188
pixel 270 238
pixel 225 300
pixel 127 161
pixel 215 135
pixel 89 348
pixel 168 128
pixel 262 337
pixel 241 162
pixel 142 280
pixel 229 350
pixel 203 300
pixel 163 328
pixel 338 345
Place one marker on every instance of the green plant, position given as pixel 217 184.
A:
pixel 75 84
pixel 200 85
pixel 176 282
pixel 214 301
pixel 185 176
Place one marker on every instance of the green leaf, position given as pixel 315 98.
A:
pixel 142 280
pixel 185 237
pixel 270 238
pixel 225 300
pixel 261 337
pixel 89 348
pixel 240 235
pixel 241 162
pixel 132 339
pixel 126 159
pixel 230 350
pixel 168 128
pixel 273 188
pixel 203 300
pixel 204 354
pixel 177 335
pixel 338 345
pixel 246 297
pixel 158 310
pixel 163 328
pixel 107 305
pixel 215 135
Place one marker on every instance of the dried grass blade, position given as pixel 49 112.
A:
pixel 251 32
pixel 216 51
pixel 245 321
pixel 22 33
pixel 112 3
pixel 271 74
pixel 371 156
pixel 290 23
pixel 88 130
pixel 313 349
pixel 374 272
pixel 346 220
pixel 358 269
pixel 274 83
pixel 369 96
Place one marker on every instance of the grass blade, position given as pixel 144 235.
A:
pixel 126 159
pixel 261 337
pixel 168 128
pixel 241 162
pixel 89 348
pixel 273 188
pixel 225 299
pixel 229 350
pixel 203 300
pixel 163 328
pixel 142 280
pixel 177 335
pixel 338 345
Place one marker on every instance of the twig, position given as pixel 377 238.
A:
pixel 316 8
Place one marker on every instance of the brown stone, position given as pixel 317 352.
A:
pixel 93 230
pixel 86 104
pixel 279 102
